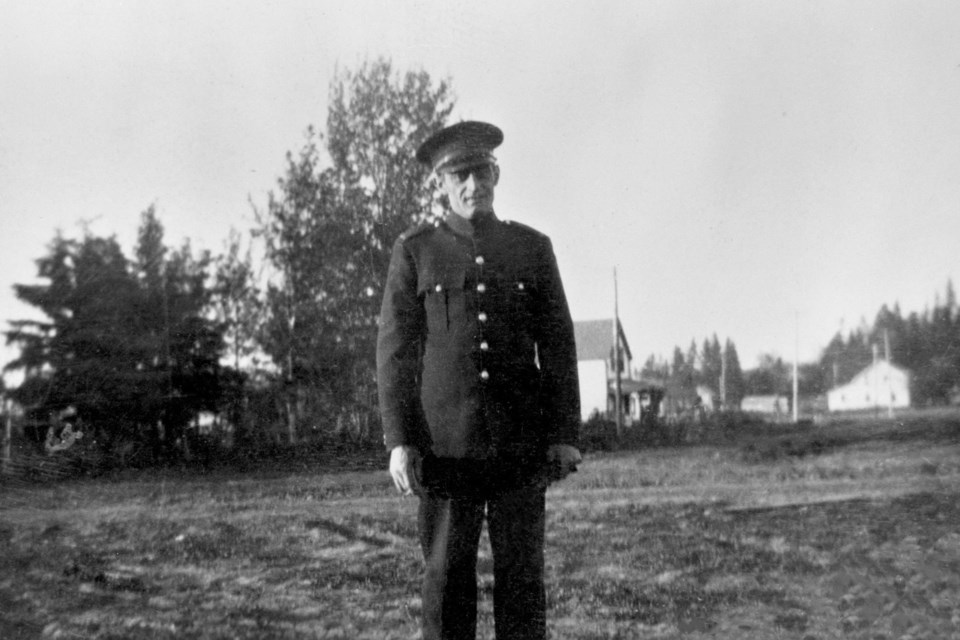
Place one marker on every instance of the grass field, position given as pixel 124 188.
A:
pixel 847 530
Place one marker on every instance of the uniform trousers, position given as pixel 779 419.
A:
pixel 450 536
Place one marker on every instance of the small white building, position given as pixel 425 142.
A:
pixel 598 377
pixel 772 405
pixel 707 398
pixel 882 385
pixel 595 356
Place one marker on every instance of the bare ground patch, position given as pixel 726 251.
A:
pixel 857 540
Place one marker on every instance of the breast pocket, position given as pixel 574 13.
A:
pixel 443 299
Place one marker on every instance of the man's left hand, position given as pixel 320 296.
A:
pixel 564 459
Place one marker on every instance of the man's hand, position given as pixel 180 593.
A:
pixel 404 461
pixel 564 459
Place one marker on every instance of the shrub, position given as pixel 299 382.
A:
pixel 598 433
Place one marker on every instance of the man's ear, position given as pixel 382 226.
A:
pixel 496 174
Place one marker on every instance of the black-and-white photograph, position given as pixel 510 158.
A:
pixel 514 319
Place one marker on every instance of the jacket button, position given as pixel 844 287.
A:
pixel 439 288
pixel 484 375
pixel 484 346
pixel 482 316
pixel 481 287
pixel 479 259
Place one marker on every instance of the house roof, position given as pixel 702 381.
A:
pixel 879 364
pixel 595 339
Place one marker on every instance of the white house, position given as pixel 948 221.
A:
pixel 595 358
pixel 882 385
pixel 595 363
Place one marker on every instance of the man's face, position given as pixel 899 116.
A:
pixel 470 190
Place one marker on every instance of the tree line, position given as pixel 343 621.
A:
pixel 276 336
pixel 927 344
pixel 144 350
pixel 708 366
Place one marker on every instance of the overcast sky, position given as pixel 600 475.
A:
pixel 770 172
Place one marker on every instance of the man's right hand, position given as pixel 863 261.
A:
pixel 404 461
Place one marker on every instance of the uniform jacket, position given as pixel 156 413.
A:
pixel 475 352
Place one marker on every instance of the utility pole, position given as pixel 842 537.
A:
pixel 796 366
pixel 723 377
pixel 616 356
pixel 886 356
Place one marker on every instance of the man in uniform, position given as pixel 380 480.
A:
pixel 477 374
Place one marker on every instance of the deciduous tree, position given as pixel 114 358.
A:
pixel 328 231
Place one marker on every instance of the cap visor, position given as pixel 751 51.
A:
pixel 465 162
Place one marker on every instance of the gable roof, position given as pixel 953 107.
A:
pixel 879 365
pixel 595 339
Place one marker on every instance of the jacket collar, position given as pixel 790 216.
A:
pixel 462 226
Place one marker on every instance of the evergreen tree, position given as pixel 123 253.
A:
pixel 771 377
pixel 941 371
pixel 831 358
pixel 85 354
pixel 124 345
pixel 734 376
pixel 681 386
pixel 193 344
pixel 813 379
pixel 692 370
pixel 926 344
pixel 712 365
pixel 654 370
